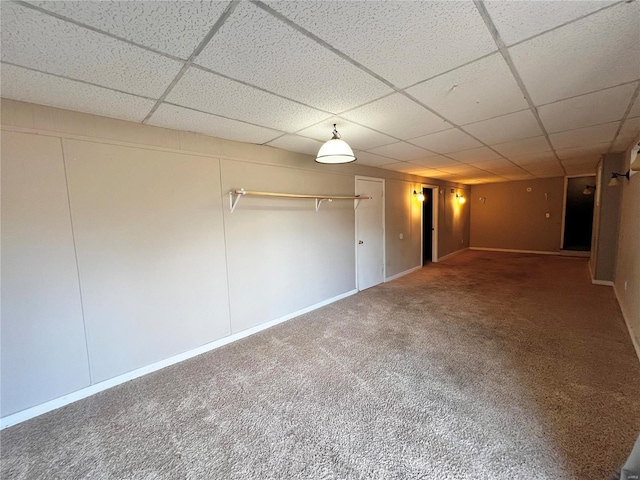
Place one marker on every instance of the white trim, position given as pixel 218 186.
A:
pixel 402 274
pixel 634 339
pixel 453 254
pixel 607 283
pixel 509 250
pixel 54 404
pixel 435 199
pixel 384 226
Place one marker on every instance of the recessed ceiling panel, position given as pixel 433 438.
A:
pixel 401 151
pixel 29 86
pixel 218 95
pixel 39 41
pixel 404 167
pixel 523 147
pixel 452 140
pixel 178 118
pixel 516 21
pixel 397 116
pixel 596 52
pixel 490 164
pixel 583 150
pixel 546 169
pixel 173 27
pixel 404 42
pixel 584 136
pixel 460 169
pixel 435 162
pixel 506 128
pixel 296 143
pixel 483 89
pixel 356 136
pixel 366 158
pixel 257 48
pixel 591 109
pixel 475 155
pixel 534 158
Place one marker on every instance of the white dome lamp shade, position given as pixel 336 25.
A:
pixel 335 150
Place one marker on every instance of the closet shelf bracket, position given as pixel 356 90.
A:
pixel 236 194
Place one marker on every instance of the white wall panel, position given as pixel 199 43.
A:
pixel 44 352
pixel 150 247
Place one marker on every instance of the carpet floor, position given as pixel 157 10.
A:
pixel 484 366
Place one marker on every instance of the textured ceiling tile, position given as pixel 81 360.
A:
pixel 551 168
pixel 435 162
pixel 506 128
pixel 630 128
pixel 366 158
pixel 29 86
pixel 460 169
pixel 535 158
pixel 401 151
pixel 397 116
pixel 622 144
pixel 586 160
pixel 356 136
pixel 173 27
pixel 635 109
pixel 178 118
pixel 255 47
pixel 483 89
pixel 583 150
pixel 586 110
pixel 474 155
pixel 584 136
pixel 516 21
pixel 519 176
pixel 523 147
pixel 452 140
pixel 431 173
pixel 295 143
pixel 488 164
pixel 218 95
pixel 39 41
pixel 404 167
pixel 404 42
pixel 593 53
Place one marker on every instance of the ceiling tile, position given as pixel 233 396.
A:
pixel 490 164
pixel 630 128
pixel 580 169
pixel 523 147
pixel 516 21
pixel 218 95
pixel 534 158
pixel 596 52
pixel 591 161
pixel 357 136
pixel 549 169
pixel 397 116
pixel 483 89
pixel 510 170
pixel 366 158
pixel 584 136
pixel 635 109
pixel 582 150
pixel 39 41
pixel 173 27
pixel 591 109
pixel 257 48
pixel 506 128
pixel 179 118
pixel 460 169
pixel 431 173
pixel 404 167
pixel 435 162
pixel 519 176
pixel 29 86
pixel 296 143
pixel 622 144
pixel 401 151
pixel 391 38
pixel 475 155
pixel 452 140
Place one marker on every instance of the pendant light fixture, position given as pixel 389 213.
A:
pixel 335 150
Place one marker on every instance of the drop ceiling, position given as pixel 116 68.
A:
pixel 471 92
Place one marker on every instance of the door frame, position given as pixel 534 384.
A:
pixel 564 201
pixel 384 230
pixel 435 189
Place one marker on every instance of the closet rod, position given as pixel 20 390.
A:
pixel 241 192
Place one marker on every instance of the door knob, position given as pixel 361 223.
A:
pixel 360 242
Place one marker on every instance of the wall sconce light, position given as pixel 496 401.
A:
pixel 589 189
pixel 418 196
pixel 615 178
pixel 460 198
pixel 335 150
pixel 483 199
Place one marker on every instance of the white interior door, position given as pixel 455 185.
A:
pixel 370 233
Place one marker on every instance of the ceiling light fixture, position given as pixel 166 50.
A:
pixel 589 189
pixel 335 150
pixel 615 180
pixel 418 196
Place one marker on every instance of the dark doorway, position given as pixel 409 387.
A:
pixel 578 219
pixel 427 226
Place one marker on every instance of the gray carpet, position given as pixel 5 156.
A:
pixel 486 366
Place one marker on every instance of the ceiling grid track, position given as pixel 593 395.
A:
pixel 634 97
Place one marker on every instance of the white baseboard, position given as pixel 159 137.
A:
pixel 634 339
pixel 607 283
pixel 453 254
pixel 56 403
pixel 575 253
pixel 402 274
pixel 509 250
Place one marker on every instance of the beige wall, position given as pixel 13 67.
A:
pixel 512 217
pixel 119 250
